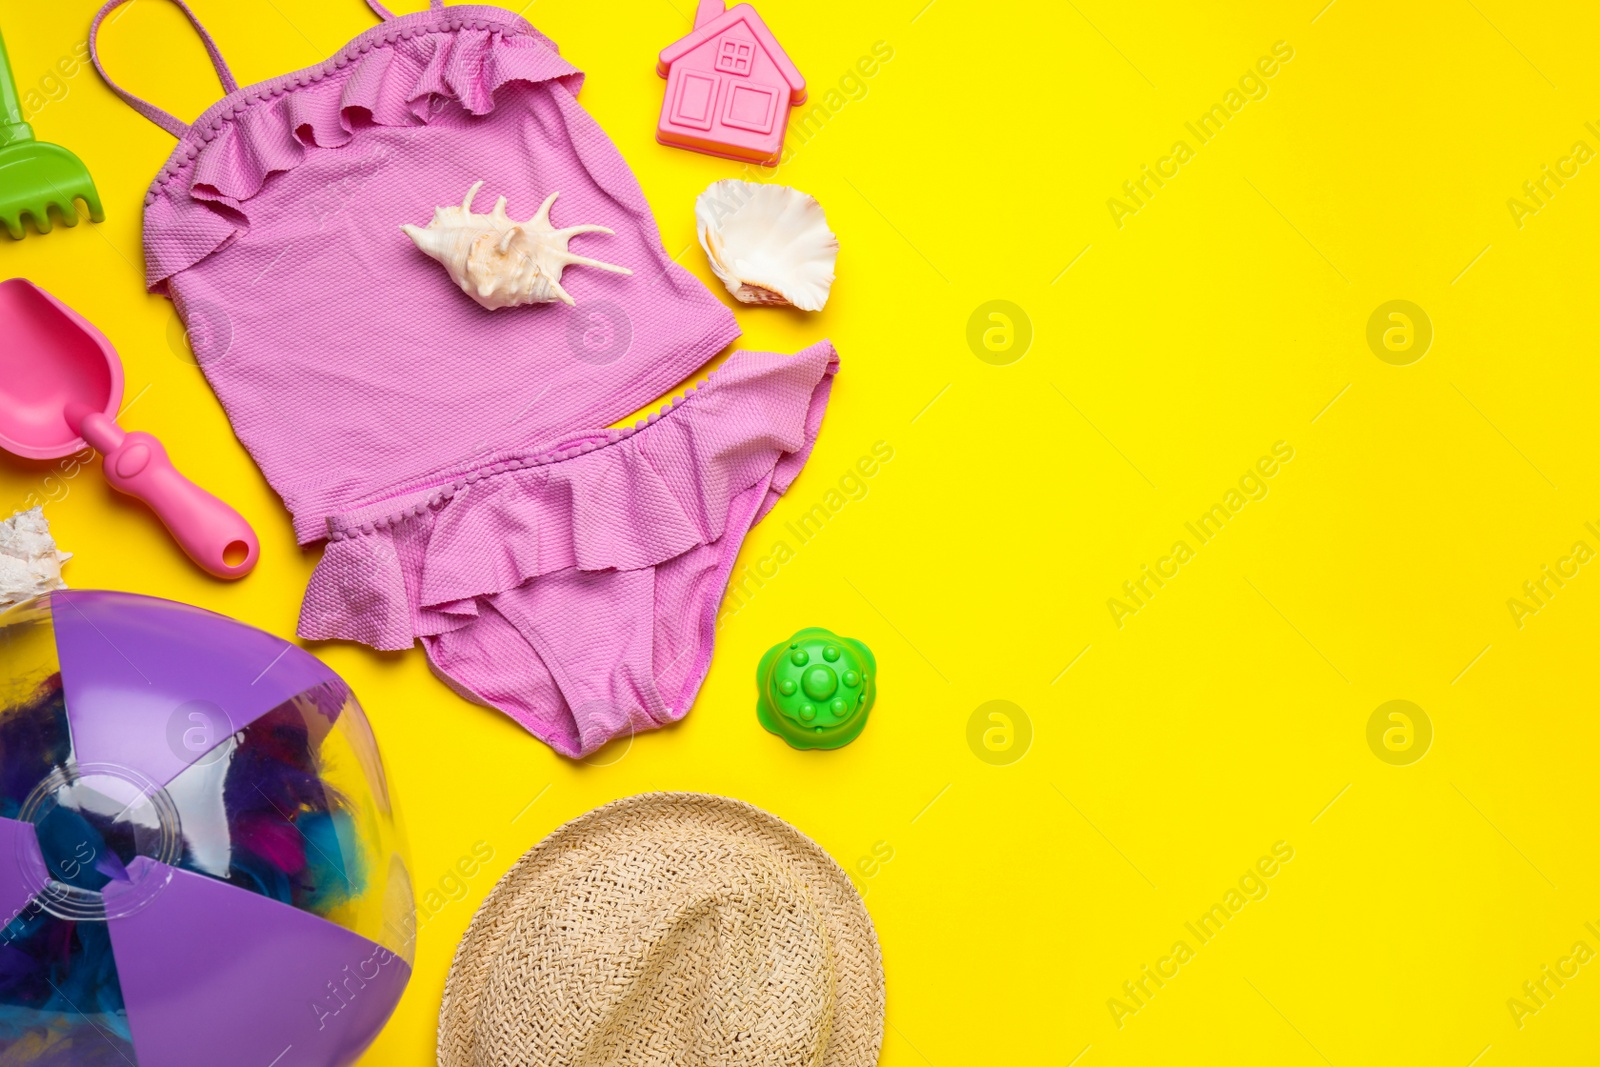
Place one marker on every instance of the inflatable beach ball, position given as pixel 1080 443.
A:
pixel 199 863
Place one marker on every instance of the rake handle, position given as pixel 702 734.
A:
pixel 12 127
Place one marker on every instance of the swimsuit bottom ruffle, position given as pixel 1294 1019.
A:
pixel 416 563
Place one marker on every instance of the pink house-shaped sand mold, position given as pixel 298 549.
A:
pixel 729 87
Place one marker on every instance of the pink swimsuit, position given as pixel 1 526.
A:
pixel 450 455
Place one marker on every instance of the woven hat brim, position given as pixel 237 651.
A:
pixel 857 1034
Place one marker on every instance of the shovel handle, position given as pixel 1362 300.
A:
pixel 213 534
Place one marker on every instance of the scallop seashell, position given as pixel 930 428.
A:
pixel 769 244
pixel 500 262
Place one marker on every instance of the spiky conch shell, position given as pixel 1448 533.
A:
pixel 769 244
pixel 500 262
pixel 30 562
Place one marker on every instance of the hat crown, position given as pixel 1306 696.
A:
pixel 670 929
pixel 672 946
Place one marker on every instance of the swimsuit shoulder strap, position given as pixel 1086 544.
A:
pixel 171 123
pixel 166 121
pixel 385 14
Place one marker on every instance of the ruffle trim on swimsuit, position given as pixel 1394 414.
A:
pixel 399 74
pixel 414 564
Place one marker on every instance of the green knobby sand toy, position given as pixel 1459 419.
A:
pixel 816 688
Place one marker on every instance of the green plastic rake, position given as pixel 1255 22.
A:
pixel 36 176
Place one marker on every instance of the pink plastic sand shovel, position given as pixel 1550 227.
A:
pixel 60 386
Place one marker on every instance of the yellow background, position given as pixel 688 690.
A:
pixel 1229 313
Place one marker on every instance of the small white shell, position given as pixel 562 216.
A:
pixel 769 244
pixel 30 563
pixel 499 262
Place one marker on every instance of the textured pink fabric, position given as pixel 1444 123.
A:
pixel 571 581
pixel 345 357
pixel 576 587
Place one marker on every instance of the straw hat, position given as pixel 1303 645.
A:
pixel 668 928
